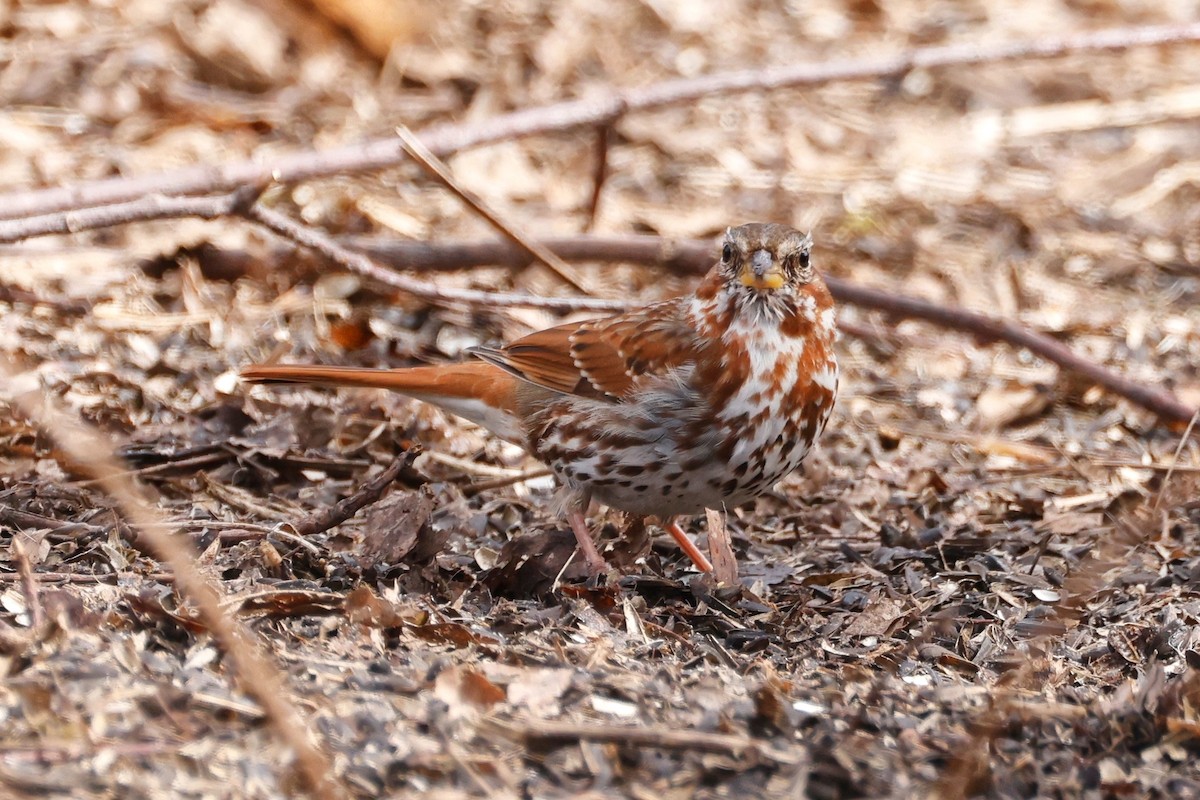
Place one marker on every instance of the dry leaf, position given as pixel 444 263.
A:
pixel 720 548
pixel 1001 406
pixel 540 691
pixel 397 529
pixel 466 691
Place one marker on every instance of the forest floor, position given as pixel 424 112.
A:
pixel 984 582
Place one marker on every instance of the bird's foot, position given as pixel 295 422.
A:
pixel 587 546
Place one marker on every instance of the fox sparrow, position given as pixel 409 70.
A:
pixel 691 403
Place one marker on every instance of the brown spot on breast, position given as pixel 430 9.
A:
pixel 779 370
pixel 794 324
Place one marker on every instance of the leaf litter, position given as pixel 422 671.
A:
pixel 973 587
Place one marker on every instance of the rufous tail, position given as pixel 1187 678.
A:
pixel 480 392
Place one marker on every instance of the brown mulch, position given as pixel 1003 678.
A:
pixel 985 582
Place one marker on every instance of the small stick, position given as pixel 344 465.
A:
pixel 440 172
pixel 599 174
pixel 79 577
pixel 990 329
pixel 666 738
pixel 183 463
pixel 470 489
pixel 141 209
pixel 27 519
pixel 347 507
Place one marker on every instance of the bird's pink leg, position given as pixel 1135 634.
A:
pixel 687 546
pixel 591 555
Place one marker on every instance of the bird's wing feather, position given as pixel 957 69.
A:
pixel 602 357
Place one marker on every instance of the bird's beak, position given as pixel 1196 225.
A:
pixel 761 271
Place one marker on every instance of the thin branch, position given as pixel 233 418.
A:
pixel 92 577
pixel 257 675
pixel 989 329
pixel 682 256
pixel 27 519
pixel 604 109
pixel 363 265
pixel 472 489
pixel 604 136
pixel 440 172
pixel 347 507
pixel 593 731
pixel 142 209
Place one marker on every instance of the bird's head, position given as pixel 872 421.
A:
pixel 767 268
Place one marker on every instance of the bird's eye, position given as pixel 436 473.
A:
pixel 727 253
pixel 804 259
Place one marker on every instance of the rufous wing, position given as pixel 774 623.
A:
pixel 601 357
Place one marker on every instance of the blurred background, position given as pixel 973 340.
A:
pixel 895 581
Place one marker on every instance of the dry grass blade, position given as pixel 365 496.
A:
pixel 256 675
pixel 1183 440
pixel 438 169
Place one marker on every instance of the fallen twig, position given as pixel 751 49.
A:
pixel 604 109
pixel 142 209
pixel 94 577
pixel 27 519
pixel 593 731
pixel 347 507
pixel 365 266
pixel 471 489
pixel 990 329
pixel 439 171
